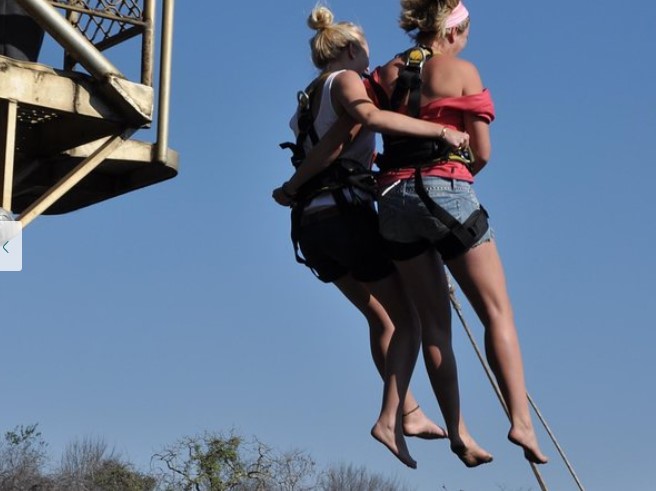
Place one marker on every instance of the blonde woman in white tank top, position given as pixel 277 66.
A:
pixel 347 250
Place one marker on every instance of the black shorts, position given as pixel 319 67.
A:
pixel 346 242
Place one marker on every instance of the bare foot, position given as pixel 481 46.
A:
pixel 470 453
pixel 416 423
pixel 528 441
pixel 395 443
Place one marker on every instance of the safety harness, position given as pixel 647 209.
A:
pixel 343 175
pixel 409 152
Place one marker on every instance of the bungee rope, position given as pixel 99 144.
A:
pixel 497 391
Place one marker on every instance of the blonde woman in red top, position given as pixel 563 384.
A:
pixel 418 184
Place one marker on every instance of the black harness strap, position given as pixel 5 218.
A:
pixel 462 236
pixel 407 151
pixel 306 127
pixel 418 153
pixel 409 80
pixel 343 175
pixel 305 117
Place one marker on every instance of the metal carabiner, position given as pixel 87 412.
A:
pixel 303 99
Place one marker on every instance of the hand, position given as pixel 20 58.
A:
pixel 456 138
pixel 282 197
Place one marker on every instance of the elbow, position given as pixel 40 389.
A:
pixel 481 158
pixel 371 124
pixel 371 120
pixel 482 154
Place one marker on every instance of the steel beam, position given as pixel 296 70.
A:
pixel 165 80
pixel 8 112
pixel 74 177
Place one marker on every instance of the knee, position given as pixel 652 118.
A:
pixel 436 335
pixel 495 313
pixel 378 321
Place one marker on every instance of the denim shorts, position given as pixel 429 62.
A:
pixel 410 228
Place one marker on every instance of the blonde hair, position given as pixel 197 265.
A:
pixel 331 38
pixel 428 17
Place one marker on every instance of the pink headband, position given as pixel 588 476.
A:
pixel 457 17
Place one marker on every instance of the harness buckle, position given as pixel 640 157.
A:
pixel 417 57
pixel 303 99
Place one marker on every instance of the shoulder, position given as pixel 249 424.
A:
pixel 456 68
pixel 347 86
pixel 347 77
pixel 348 83
pixel 453 63
pixel 386 74
pixel 471 78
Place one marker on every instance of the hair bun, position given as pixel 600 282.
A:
pixel 320 18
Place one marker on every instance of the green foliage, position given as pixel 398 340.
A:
pixel 204 462
pixel 352 478
pixel 216 462
pixel 22 456
pixel 88 465
pixel 24 436
pixel 207 462
pixel 113 475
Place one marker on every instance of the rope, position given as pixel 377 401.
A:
pixel 490 377
pixel 555 442
pixel 488 372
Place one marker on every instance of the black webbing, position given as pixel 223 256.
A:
pixel 436 210
pixel 461 236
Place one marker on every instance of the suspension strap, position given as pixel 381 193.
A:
pixel 409 80
pixel 461 236
pixel 305 116
pixel 305 99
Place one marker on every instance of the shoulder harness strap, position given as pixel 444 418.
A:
pixel 409 81
pixel 461 236
pixel 306 100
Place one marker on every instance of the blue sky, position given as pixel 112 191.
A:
pixel 179 308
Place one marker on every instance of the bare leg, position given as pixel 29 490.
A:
pixel 399 363
pixel 480 275
pixel 381 328
pixel 425 281
pixel 402 347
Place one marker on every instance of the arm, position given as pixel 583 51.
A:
pixel 320 157
pixel 349 93
pixel 477 127
pixel 479 131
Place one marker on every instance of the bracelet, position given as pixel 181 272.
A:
pixel 287 194
pixel 443 132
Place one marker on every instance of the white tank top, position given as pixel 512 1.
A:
pixel 361 149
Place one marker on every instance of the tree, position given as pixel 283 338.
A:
pixel 348 477
pixel 22 457
pixel 216 462
pixel 79 462
pixel 88 465
pixel 207 462
pixel 114 475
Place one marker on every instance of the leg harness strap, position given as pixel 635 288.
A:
pixel 461 236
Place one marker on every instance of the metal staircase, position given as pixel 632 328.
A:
pixel 65 134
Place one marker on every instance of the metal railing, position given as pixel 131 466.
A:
pixel 94 25
pixel 108 23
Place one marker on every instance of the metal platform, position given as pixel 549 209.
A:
pixel 60 118
pixel 130 167
pixel 65 135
